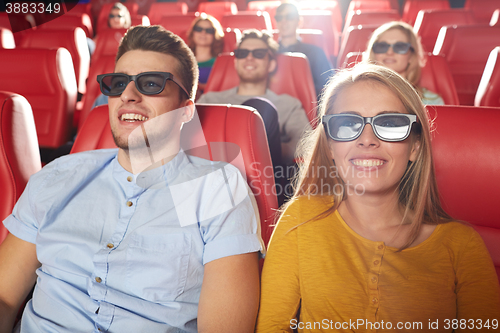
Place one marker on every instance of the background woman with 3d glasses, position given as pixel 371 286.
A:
pixel 364 240
pixel 119 17
pixel 396 46
pixel 205 38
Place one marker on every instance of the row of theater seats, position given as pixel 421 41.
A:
pixel 465 152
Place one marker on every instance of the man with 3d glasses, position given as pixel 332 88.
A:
pixel 255 61
pixel 143 238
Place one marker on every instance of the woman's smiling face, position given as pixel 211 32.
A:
pixel 367 163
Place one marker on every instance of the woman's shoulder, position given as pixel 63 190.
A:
pixel 457 234
pixel 431 98
pixel 305 208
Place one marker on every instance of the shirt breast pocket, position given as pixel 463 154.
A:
pixel 157 266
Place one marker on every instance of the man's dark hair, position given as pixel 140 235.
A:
pixel 158 39
pixel 264 36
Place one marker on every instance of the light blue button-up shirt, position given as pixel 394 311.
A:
pixel 125 253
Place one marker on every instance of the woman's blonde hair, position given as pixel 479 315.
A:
pixel 124 10
pixel 417 58
pixel 318 175
pixel 218 43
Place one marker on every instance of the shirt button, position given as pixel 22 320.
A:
pixel 110 246
pixel 374 279
pixel 380 247
pixel 129 203
pixel 129 179
pixel 98 279
pixel 376 262
pixel 375 300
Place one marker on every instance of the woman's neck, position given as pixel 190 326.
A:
pixel 203 53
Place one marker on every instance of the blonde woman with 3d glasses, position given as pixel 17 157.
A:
pixel 364 244
pixel 395 46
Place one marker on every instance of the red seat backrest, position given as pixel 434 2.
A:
pixel 466 49
pixel 495 18
pixel 370 17
pixel 73 39
pixel 293 77
pixel 372 4
pixel 323 20
pixel 15 23
pixel 218 9
pixel 231 39
pixel 355 40
pixel 412 7
pixel 221 124
pixel 103 65
pixel 467 163
pixel 482 9
pixel 488 93
pixel 19 154
pixel 314 37
pixel 247 20
pixel 436 77
pixel 102 19
pixel 268 6
pixel 7 39
pixel 178 24
pixel 140 20
pixel 107 42
pixel 430 21
pixel 71 20
pixel 50 89
pixel 330 5
pixel 158 9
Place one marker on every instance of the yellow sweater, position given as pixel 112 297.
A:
pixel 343 282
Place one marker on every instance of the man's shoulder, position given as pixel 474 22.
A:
pixel 199 167
pixel 217 96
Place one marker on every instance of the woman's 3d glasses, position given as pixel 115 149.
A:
pixel 257 53
pixel 387 126
pixel 210 31
pixel 398 47
pixel 147 83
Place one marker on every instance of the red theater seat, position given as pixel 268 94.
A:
pixel 412 7
pixel 370 17
pixel 436 77
pixel 72 39
pixel 467 158
pixel 106 43
pixel 19 155
pixel 47 79
pixel 482 9
pixel 323 20
pixel 293 77
pixel 7 39
pixel 218 9
pixel 178 24
pixel 158 9
pixel 221 124
pixel 495 18
pixel 314 37
pixel 466 49
pixel 104 65
pixel 330 5
pixel 231 39
pixel 15 23
pixel 140 20
pixel 268 6
pixel 71 21
pixel 247 20
pixel 355 40
pixel 372 4
pixel 430 21
pixel 488 93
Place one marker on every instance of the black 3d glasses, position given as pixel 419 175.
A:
pixel 257 53
pixel 210 31
pixel 147 83
pixel 398 47
pixel 387 126
pixel 288 17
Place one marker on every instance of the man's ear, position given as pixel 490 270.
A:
pixel 272 66
pixel 188 111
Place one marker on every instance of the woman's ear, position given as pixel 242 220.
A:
pixel 415 148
